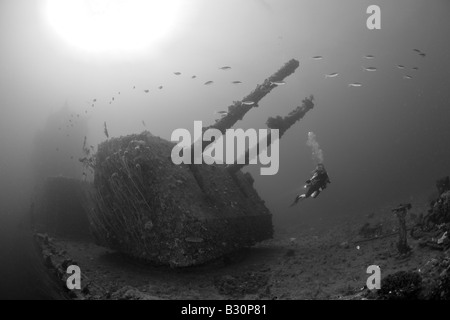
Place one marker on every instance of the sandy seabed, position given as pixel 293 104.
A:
pixel 312 263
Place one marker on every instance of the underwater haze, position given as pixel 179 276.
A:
pixel 381 114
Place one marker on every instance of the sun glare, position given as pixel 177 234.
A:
pixel 113 25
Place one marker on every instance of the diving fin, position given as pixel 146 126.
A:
pixel 301 196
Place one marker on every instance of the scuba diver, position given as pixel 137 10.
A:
pixel 316 184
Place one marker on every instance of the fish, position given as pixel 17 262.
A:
pixel 370 69
pixel 417 50
pixel 407 77
pixel 118 92
pixel 146 91
pixel 143 122
pixel 209 82
pixel 236 82
pixel 177 73
pixel 222 112
pixel 415 68
pixel 248 103
pixel 369 56
pixel 355 84
pixel 331 75
pixel 317 57
pixel 277 83
pixel 225 68
pixel 400 66
pixel 134 87
pixel 95 100
pixel 92 105
pixel 112 98
pixel 160 87
pixel 105 130
pixel 193 77
pixel 422 54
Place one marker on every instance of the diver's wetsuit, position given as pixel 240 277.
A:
pixel 315 185
pixel 319 182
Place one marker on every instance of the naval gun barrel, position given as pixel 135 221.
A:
pixel 282 124
pixel 238 109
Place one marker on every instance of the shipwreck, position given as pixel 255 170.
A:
pixel 145 206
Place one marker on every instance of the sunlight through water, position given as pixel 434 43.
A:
pixel 113 26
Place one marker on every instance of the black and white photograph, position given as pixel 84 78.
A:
pixel 230 156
